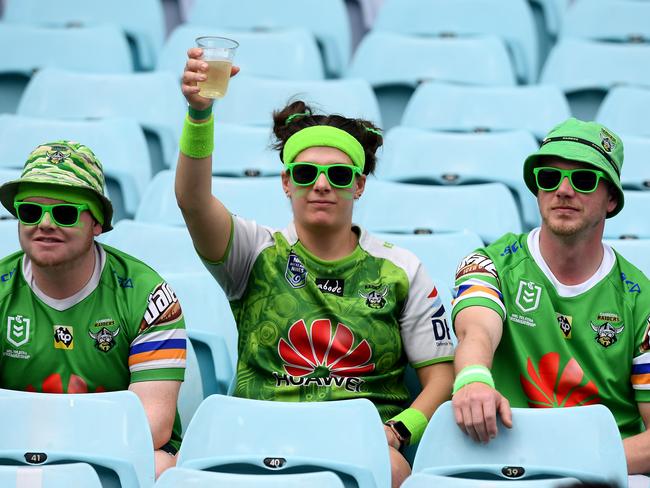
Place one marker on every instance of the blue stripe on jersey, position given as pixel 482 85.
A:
pixel 156 345
pixel 640 368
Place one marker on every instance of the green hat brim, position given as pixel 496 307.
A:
pixel 9 190
pixel 579 153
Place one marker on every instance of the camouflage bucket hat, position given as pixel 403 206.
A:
pixel 57 165
pixel 584 142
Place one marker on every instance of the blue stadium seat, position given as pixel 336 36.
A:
pixel 7 174
pixel 441 158
pixel 8 236
pixel 636 172
pixel 142 21
pixel 394 64
pixel 264 436
pixel 244 150
pixel 154 100
pixel 107 430
pixel 626 110
pixel 260 199
pixel 328 22
pixel 165 248
pixel 487 209
pixel 447 107
pixel 440 253
pixel 118 143
pixel 636 251
pixel 176 477
pixel 626 20
pixel 628 223
pixel 211 328
pixel 512 21
pixel 554 11
pixel 576 66
pixel 574 442
pixel 101 49
pixel 50 476
pixel 290 54
pixel 190 395
pixel 425 480
pixel 252 100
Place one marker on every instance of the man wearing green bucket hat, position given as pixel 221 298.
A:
pixel 555 317
pixel 83 317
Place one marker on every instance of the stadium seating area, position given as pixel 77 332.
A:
pixel 463 89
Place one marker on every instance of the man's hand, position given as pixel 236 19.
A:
pixel 391 437
pixel 475 408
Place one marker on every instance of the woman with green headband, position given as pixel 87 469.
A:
pixel 324 310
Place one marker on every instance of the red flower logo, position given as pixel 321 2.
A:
pixel 547 388
pixel 320 353
pixel 54 384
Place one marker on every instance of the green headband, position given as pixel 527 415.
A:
pixel 65 193
pixel 324 135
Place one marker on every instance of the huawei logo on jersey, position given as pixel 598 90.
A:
pixel 323 355
pixel 546 386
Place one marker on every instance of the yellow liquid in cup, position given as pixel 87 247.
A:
pixel 218 76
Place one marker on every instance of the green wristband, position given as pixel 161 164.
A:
pixel 199 114
pixel 474 373
pixel 415 421
pixel 197 139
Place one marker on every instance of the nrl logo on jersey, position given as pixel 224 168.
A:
pixel 296 273
pixel 528 296
pixel 606 334
pixel 18 328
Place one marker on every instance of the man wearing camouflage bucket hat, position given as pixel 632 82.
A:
pixel 556 317
pixel 123 327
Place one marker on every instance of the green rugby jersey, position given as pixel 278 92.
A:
pixel 563 345
pixel 124 326
pixel 314 330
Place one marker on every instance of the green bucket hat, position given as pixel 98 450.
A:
pixel 584 142
pixel 58 167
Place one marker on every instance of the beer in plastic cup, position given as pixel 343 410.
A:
pixel 218 53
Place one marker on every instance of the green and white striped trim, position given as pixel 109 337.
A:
pixel 474 373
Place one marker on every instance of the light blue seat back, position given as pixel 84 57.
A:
pixel 284 54
pixel 448 107
pixel 210 326
pixel 244 150
pixel 636 251
pixel 439 158
pixel 73 475
pixel 512 21
pixel 394 64
pixel 345 436
pixel 8 239
pixel 636 172
pixel 109 430
pixel 486 209
pixel 192 478
pixel 154 100
pixel 142 21
pixel 554 11
pixel 577 442
pixel 260 199
pixel 7 174
pixel 628 222
pixel 252 100
pixel 426 480
pixel 97 49
pixel 118 143
pixel 328 21
pixel 576 67
pixel 627 20
pixel 626 110
pixel 440 253
pixel 190 395
pixel 165 248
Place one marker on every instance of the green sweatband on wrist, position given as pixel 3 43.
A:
pixel 415 421
pixel 197 139
pixel 199 114
pixel 474 373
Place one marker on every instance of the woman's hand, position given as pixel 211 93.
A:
pixel 196 70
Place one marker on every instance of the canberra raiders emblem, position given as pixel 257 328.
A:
pixel 375 298
pixel 104 339
pixel 606 334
